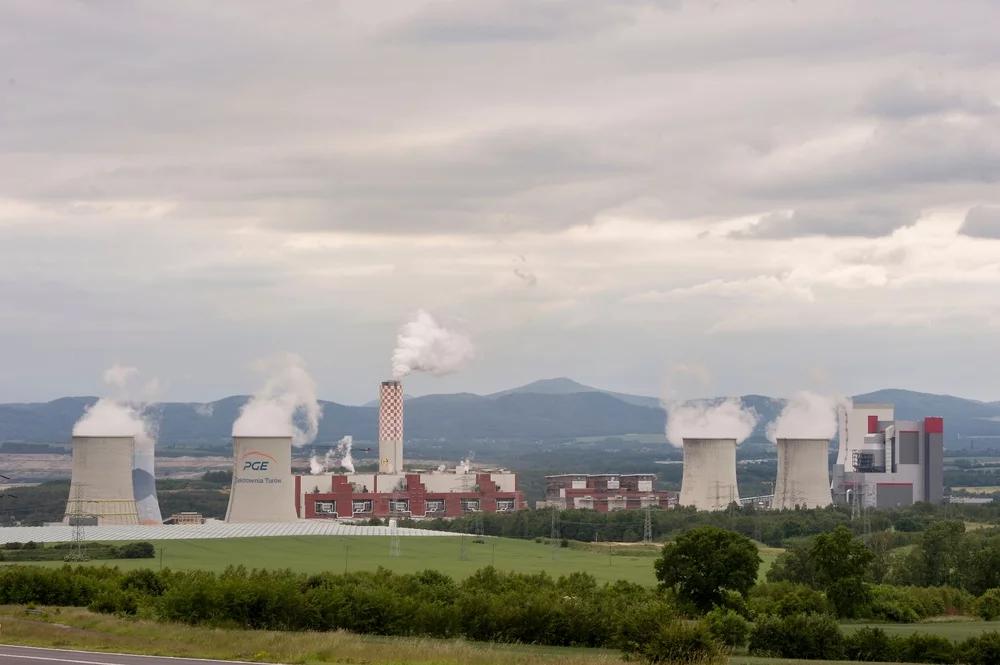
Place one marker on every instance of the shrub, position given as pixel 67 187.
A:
pixel 787 598
pixel 987 605
pixel 870 645
pixel 680 643
pixel 907 604
pixel 924 648
pixel 727 627
pixel 981 650
pixel 114 601
pixel 810 636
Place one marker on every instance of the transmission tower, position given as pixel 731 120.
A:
pixel 647 528
pixel 76 520
pixel 393 538
pixel 554 533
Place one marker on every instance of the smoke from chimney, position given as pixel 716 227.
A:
pixel 285 406
pixel 340 456
pixel 726 419
pixel 806 415
pixel 423 345
pixel 121 414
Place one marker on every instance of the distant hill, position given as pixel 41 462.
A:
pixel 543 410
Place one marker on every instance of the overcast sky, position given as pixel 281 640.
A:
pixel 722 197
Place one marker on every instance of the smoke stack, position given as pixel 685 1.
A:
pixel 101 487
pixel 263 489
pixel 709 480
pixel 390 427
pixel 803 474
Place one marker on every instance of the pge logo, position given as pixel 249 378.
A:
pixel 257 464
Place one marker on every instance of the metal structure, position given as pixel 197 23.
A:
pixel 803 474
pixel 647 527
pixel 390 427
pixel 263 489
pixel 709 478
pixel 102 481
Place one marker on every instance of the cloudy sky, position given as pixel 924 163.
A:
pixel 719 197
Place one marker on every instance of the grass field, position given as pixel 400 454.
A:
pixel 74 628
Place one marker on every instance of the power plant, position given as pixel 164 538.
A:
pixel 803 479
pixel 262 490
pixel 709 478
pixel 102 489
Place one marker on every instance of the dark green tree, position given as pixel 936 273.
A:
pixel 706 562
pixel 840 562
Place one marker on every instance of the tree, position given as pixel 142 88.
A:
pixel 706 562
pixel 840 562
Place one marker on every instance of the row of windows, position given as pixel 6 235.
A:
pixel 431 506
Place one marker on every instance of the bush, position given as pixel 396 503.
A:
pixel 981 650
pixel 987 606
pixel 870 645
pixel 680 643
pixel 787 598
pixel 924 648
pixel 727 627
pixel 810 636
pixel 908 604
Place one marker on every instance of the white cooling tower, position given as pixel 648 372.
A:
pixel 263 489
pixel 101 486
pixel 803 474
pixel 709 480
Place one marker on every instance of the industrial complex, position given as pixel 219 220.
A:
pixel 881 462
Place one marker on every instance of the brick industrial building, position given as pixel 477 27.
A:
pixel 605 492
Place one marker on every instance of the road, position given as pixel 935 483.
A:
pixel 14 655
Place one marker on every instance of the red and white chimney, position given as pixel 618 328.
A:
pixel 390 427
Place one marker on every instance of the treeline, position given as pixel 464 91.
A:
pixel 774 528
pixel 32 551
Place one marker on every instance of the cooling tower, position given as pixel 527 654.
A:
pixel 803 474
pixel 390 427
pixel 263 489
pixel 144 484
pixel 709 480
pixel 101 486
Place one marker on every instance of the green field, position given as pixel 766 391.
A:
pixel 953 630
pixel 339 553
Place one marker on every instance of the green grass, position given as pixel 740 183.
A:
pixel 338 553
pixel 956 630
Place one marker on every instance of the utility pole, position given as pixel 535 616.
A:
pixel 393 538
pixel 647 527
pixel 76 519
pixel 554 533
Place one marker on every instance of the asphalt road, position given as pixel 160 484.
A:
pixel 14 655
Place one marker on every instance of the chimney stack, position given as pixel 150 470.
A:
pixel 390 427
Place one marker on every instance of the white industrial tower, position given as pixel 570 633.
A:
pixel 263 489
pixel 101 486
pixel 803 474
pixel 709 480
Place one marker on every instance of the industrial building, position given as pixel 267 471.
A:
pixel 110 483
pixel 803 479
pixel 605 492
pixel 887 463
pixel 392 492
pixel 709 478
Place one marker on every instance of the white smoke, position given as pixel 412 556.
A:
pixel 121 414
pixel 423 345
pixel 285 406
pixel 464 466
pixel 807 415
pixel 726 419
pixel 339 456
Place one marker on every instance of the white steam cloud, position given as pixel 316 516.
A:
pixel 119 415
pixel 285 406
pixel 423 345
pixel 807 415
pixel 726 419
pixel 340 456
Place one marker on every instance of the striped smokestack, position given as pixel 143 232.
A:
pixel 390 427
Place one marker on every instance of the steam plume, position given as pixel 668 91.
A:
pixel 339 456
pixel 285 406
pixel 726 419
pixel 807 415
pixel 423 345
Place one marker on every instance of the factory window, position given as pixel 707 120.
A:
pixel 399 505
pixel 505 505
pixel 645 485
pixel 614 483
pixel 909 448
pixel 435 506
pixel 470 505
pixel 326 507
pixel 362 506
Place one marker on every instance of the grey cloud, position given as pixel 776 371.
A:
pixel 907 98
pixel 982 221
pixel 868 222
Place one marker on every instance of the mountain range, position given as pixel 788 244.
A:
pixel 543 410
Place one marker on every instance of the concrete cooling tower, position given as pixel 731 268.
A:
pixel 390 427
pixel 101 487
pixel 263 489
pixel 709 480
pixel 144 484
pixel 803 474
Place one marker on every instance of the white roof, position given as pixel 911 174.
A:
pixel 213 529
